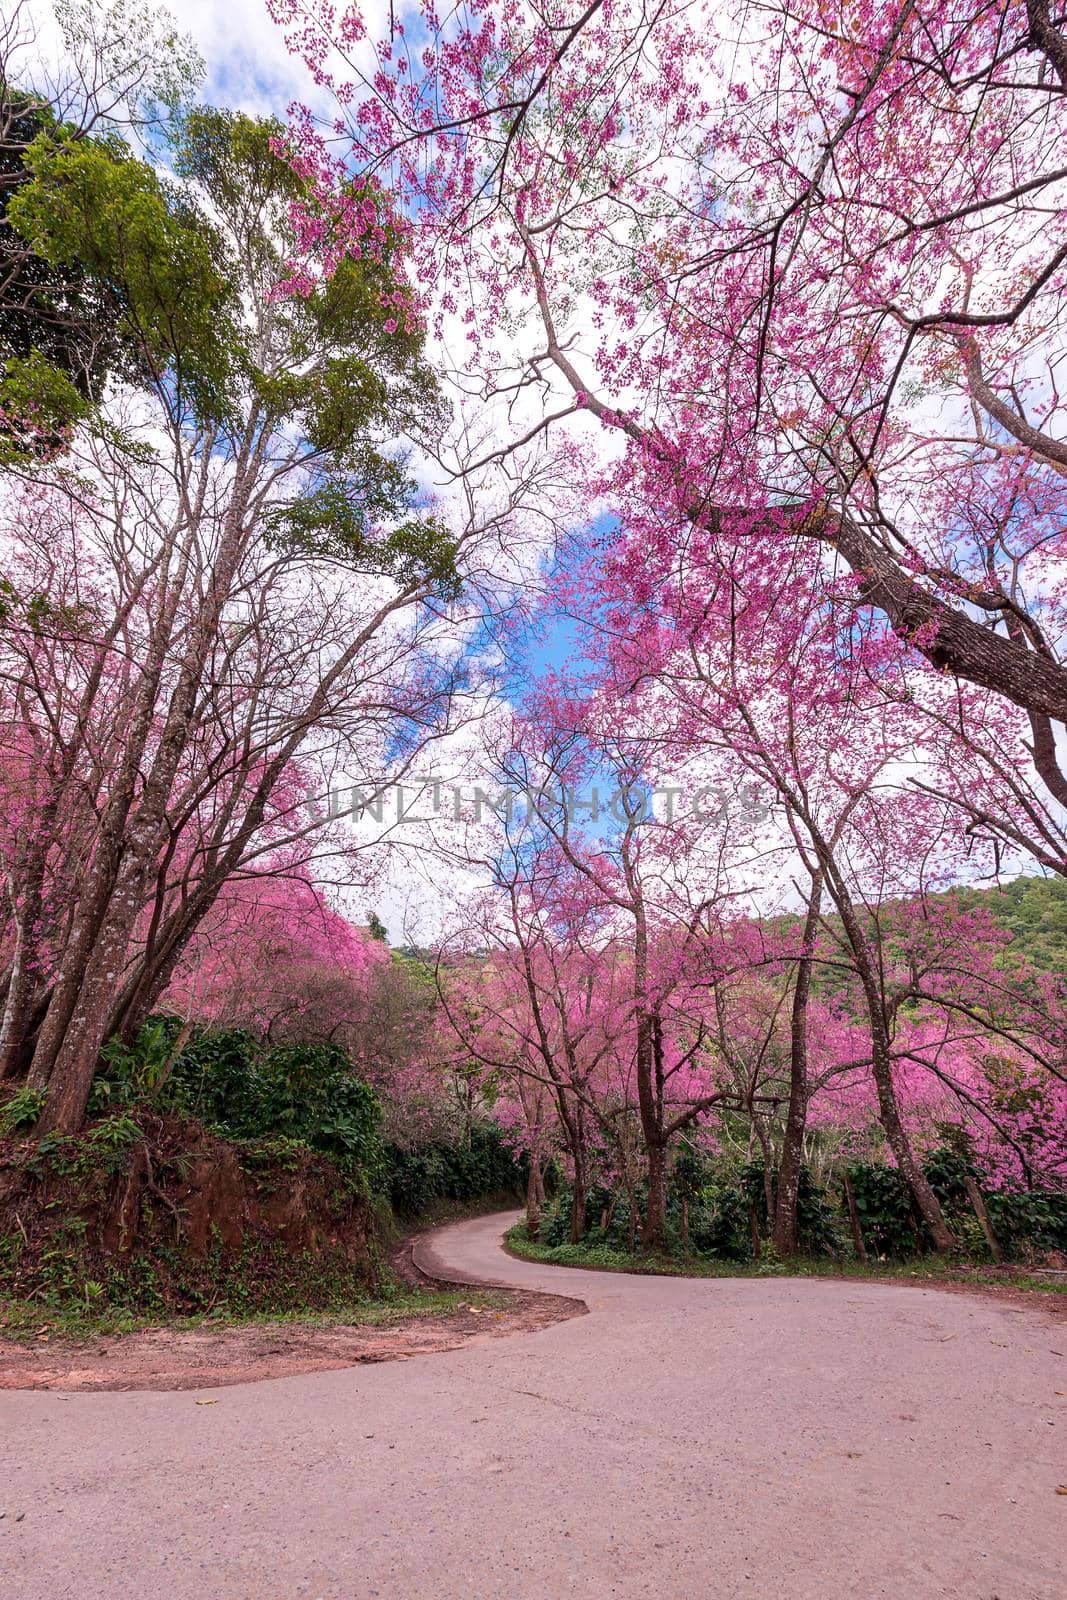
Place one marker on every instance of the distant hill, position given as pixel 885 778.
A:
pixel 1035 912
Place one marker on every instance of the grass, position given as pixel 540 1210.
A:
pixel 601 1258
pixel 25 1321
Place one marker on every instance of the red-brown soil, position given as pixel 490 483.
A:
pixel 209 1358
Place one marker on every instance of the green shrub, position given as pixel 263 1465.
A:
pixel 947 1169
pixel 556 1220
pixel 1029 1224
pixel 884 1210
pixel 719 1223
pixel 269 1098
pixel 818 1227
pixel 21 1109
pixel 105 1145
pixel 246 1089
pixel 415 1179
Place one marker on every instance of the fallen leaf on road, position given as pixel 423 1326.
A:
pixel 1061 1488
pixel 207 1402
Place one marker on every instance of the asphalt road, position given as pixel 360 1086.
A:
pixel 688 1439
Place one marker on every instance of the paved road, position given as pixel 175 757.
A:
pixel 688 1440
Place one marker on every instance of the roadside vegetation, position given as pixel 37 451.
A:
pixel 753 949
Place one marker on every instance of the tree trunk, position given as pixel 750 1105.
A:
pixel 946 635
pixel 16 1007
pixel 25 964
pixel 69 1044
pixel 882 1067
pixel 91 910
pixel 654 1229
pixel 978 1206
pixel 854 1221
pixel 784 1231
pixel 578 1197
pixel 753 1228
pixel 910 1170
pixel 533 1199
pixel 71 1078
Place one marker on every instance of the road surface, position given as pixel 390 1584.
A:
pixel 688 1440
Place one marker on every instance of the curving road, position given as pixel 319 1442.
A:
pixel 688 1440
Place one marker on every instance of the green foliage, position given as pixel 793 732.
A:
pixel 556 1221
pixel 336 521
pixel 248 1090
pixel 928 1270
pixel 1034 910
pixel 39 405
pixel 93 206
pixel 275 1151
pixel 586 1254
pixel 719 1223
pixel 884 1209
pixel 421 551
pixel 721 1201
pixel 274 1100
pixel 58 337
pixel 21 1109
pixel 105 1145
pixel 415 1179
pixel 608 1220
pixel 947 1168
pixel 175 288
pixel 690 1172
pixel 142 1068
pixel 1028 1224
pixel 818 1230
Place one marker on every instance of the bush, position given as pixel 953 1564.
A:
pixel 884 1210
pixel 415 1179
pixel 265 1096
pixel 247 1089
pixel 1026 1224
pixel 307 1092
pixel 1029 1224
pixel 947 1169
pixel 818 1227
pixel 556 1220
pixel 21 1109
pixel 719 1224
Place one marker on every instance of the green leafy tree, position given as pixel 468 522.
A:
pixel 261 451
pixel 65 309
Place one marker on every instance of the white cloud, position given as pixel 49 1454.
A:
pixel 249 67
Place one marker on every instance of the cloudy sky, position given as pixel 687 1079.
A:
pixel 248 65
